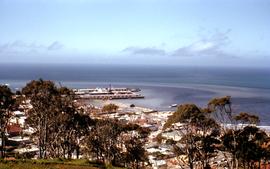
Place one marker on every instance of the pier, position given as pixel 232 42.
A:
pixel 108 93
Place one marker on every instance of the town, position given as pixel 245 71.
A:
pixel 160 133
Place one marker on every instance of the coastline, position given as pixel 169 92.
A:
pixel 159 96
pixel 123 107
pixel 141 111
pixel 243 99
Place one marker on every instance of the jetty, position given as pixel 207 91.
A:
pixel 107 93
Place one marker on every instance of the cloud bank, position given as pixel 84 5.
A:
pixel 212 46
pixel 18 47
pixel 55 46
pixel 145 51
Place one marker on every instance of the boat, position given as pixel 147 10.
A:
pixel 173 105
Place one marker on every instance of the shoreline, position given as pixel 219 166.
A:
pixel 160 96
pixel 125 108
pixel 122 106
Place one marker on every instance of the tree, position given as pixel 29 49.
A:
pixel 115 142
pixel 247 145
pixel 198 133
pixel 221 109
pixel 103 139
pixel 6 105
pixel 60 126
pixel 135 152
pixel 247 118
pixel 110 108
pixel 206 131
pixel 67 131
pixel 135 138
pixel 43 96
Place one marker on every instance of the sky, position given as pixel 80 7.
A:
pixel 154 32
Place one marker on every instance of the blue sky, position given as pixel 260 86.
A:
pixel 171 32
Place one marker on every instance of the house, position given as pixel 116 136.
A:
pixel 14 130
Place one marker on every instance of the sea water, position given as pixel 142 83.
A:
pixel 161 85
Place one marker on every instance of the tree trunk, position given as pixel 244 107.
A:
pixel 3 144
pixel 78 151
pixel 64 151
pixel 237 164
pixel 45 138
pixel 190 162
pixel 39 140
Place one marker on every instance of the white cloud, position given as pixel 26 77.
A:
pixel 210 46
pixel 145 51
pixel 55 46
pixel 21 47
pixel 201 46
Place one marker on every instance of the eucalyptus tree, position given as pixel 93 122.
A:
pixel 114 142
pixel 198 133
pixel 247 146
pixel 247 118
pixel 221 109
pixel 110 108
pixel 59 124
pixel 67 130
pixel 105 135
pixel 135 154
pixel 240 143
pixel 43 96
pixel 7 102
pixel 134 138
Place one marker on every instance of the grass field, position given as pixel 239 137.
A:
pixel 51 164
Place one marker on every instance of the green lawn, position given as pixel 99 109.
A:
pixel 51 164
pixel 42 166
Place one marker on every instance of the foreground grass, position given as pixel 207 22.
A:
pixel 42 166
pixel 52 164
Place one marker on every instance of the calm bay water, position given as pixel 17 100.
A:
pixel 162 85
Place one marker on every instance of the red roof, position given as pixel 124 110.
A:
pixel 14 129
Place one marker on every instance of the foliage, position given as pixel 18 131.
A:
pixel 220 109
pixel 220 102
pixel 58 123
pixel 198 133
pixel 246 144
pixel 110 108
pixel 61 129
pixel 202 136
pixel 7 103
pixel 244 117
pixel 184 113
pixel 117 143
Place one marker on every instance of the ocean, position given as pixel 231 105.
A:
pixel 161 85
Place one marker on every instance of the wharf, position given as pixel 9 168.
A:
pixel 111 96
pixel 108 93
